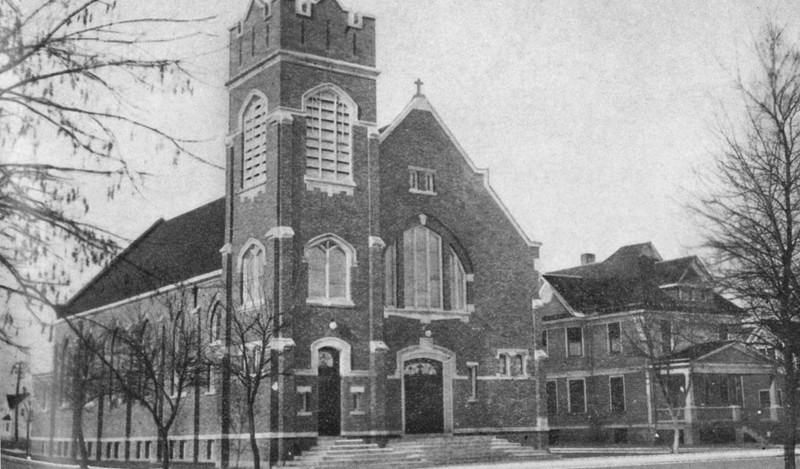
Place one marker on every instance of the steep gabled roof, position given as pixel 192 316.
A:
pixel 421 104
pixel 168 252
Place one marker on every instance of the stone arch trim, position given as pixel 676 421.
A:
pixel 354 113
pixel 348 248
pixel 245 247
pixel 252 94
pixel 345 353
pixel 448 360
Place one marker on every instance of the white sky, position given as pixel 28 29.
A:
pixel 590 115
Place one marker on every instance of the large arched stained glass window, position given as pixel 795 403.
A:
pixel 422 261
pixel 254 155
pixel 328 136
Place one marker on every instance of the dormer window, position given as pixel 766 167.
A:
pixel 421 181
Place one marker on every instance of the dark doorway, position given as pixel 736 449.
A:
pixel 424 403
pixel 330 400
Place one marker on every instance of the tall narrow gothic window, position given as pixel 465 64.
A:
pixel 328 272
pixel 254 160
pixel 422 260
pixel 328 137
pixel 252 292
pixel 390 275
pixel 458 284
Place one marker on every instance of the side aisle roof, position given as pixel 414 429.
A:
pixel 168 252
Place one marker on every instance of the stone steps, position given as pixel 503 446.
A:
pixel 413 452
pixel 342 454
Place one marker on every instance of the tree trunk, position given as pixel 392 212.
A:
pixel 16 406
pixel 790 413
pixel 82 448
pixel 676 441
pixel 251 421
pixel 163 441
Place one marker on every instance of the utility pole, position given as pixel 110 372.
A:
pixel 17 368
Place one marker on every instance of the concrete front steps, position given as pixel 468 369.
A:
pixel 413 452
pixel 441 450
pixel 342 454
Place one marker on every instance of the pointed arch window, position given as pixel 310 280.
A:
pixel 254 154
pixel 425 273
pixel 422 261
pixel 458 283
pixel 328 136
pixel 252 281
pixel 329 263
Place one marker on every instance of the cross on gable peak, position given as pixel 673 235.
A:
pixel 419 84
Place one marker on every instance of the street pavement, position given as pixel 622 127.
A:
pixel 770 458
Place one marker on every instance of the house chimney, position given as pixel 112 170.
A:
pixel 587 258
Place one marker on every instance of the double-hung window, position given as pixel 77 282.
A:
pixel 574 341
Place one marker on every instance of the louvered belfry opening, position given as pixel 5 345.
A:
pixel 255 143
pixel 328 142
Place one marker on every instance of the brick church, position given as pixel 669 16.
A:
pixel 404 285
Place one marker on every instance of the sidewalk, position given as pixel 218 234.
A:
pixel 636 460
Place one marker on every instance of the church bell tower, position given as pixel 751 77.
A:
pixel 302 220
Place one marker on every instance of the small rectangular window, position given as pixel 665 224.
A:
pixel 89 448
pixel 614 338
pixel 422 181
pixel 108 450
pixel 181 449
pixel 473 380
pixel 210 450
pixel 544 341
pixel 574 341
pixel 666 336
pixel 172 449
pixel 138 450
pixel 304 395
pixel 764 401
pixel 357 399
pixel 616 386
pixel 147 450
pixel 779 398
pixel 552 398
pixel 116 450
pixel 577 396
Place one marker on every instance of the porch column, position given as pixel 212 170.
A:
pixel 688 410
pixel 773 399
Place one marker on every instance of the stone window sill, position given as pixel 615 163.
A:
pixel 341 303
pixel 426 315
pixel 329 187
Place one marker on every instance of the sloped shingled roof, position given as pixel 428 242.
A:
pixel 631 277
pixel 170 251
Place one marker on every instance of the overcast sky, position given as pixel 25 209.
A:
pixel 590 116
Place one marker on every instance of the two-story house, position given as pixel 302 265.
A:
pixel 613 329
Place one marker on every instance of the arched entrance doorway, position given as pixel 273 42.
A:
pixel 424 396
pixel 329 392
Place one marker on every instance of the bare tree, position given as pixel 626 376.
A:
pixel 67 72
pixel 84 378
pixel 752 209
pixel 253 352
pixel 153 357
pixel 656 338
